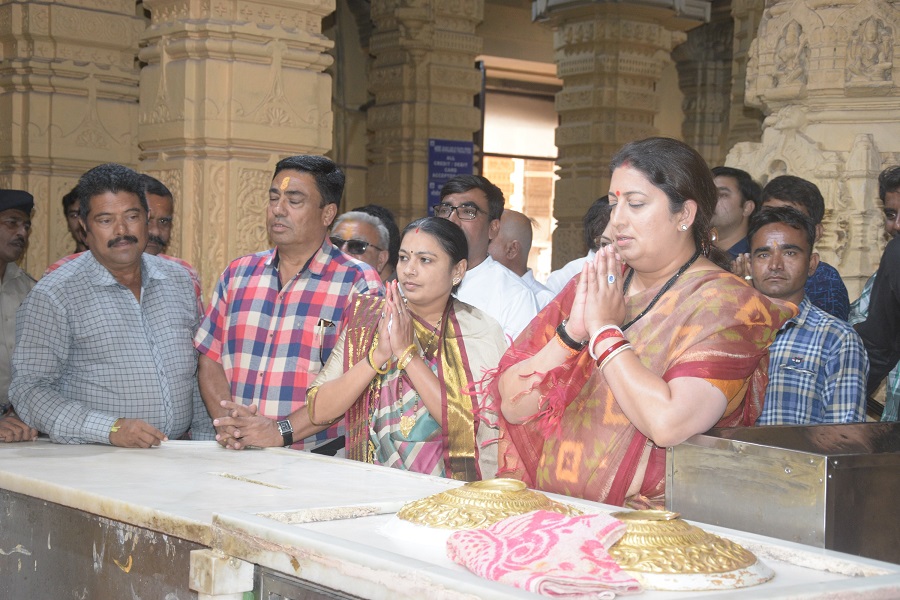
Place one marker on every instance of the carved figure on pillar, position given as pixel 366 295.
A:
pixel 791 57
pixel 869 52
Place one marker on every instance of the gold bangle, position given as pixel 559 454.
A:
pixel 372 362
pixel 115 427
pixel 406 357
pixel 311 394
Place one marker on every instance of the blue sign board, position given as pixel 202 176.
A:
pixel 446 160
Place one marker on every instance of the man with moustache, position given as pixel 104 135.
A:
pixel 161 205
pixel 817 363
pixel 104 349
pixel 276 315
pixel 15 227
pixel 880 327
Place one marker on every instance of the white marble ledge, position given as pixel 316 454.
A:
pixel 177 487
pixel 218 498
pixel 366 557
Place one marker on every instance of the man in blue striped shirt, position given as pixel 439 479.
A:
pixel 817 363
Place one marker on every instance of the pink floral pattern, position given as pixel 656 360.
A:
pixel 547 553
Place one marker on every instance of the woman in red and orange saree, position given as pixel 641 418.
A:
pixel 405 367
pixel 621 364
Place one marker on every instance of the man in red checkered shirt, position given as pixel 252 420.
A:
pixel 275 315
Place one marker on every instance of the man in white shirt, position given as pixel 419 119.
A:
pixel 511 248
pixel 595 221
pixel 476 204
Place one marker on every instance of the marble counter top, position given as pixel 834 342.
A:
pixel 252 504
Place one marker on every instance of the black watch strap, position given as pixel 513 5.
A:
pixel 568 341
pixel 287 432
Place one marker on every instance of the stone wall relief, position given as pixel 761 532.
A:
pixel 275 109
pixel 870 52
pixel 251 196
pixel 91 132
pixel 791 57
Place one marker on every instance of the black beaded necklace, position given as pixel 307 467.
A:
pixel 663 289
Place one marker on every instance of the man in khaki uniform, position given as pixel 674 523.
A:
pixel 15 227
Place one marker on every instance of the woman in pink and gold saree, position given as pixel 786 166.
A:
pixel 405 368
pixel 652 343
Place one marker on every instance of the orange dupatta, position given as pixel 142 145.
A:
pixel 710 324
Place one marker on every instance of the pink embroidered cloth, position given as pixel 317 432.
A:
pixel 547 553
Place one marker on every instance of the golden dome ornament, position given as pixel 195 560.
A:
pixel 479 504
pixel 664 552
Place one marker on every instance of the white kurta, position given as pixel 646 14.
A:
pixel 500 293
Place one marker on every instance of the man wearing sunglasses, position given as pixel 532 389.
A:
pixel 363 237
pixel 476 204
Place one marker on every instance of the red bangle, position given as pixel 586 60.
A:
pixel 604 333
pixel 610 350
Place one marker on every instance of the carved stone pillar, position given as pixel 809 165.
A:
pixel 826 79
pixel 229 88
pixel 68 100
pixel 744 122
pixel 424 80
pixel 704 73
pixel 610 58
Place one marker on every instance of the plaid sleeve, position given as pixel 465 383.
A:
pixel 209 337
pixel 369 282
pixel 845 385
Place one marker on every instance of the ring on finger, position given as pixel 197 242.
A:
pixel 610 279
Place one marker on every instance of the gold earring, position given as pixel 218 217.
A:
pixel 456 281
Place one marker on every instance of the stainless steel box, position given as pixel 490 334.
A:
pixel 830 486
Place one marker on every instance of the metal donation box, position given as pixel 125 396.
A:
pixel 830 486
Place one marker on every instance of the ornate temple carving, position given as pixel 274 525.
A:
pixel 227 90
pixel 610 60
pixel 69 102
pixel 423 81
pixel 704 64
pixel 822 76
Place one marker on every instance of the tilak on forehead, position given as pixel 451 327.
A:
pixel 284 183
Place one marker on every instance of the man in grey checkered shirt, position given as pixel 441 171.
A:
pixel 104 351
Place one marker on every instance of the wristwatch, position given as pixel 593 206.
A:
pixel 286 431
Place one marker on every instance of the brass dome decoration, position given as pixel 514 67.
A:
pixel 665 553
pixel 479 504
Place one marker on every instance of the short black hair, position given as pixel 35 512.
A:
pixel 799 191
pixel 154 186
pixel 888 181
pixel 387 219
pixel 109 177
pixel 463 183
pixel 449 235
pixel 749 189
pixel 595 221
pixel 69 199
pixel 328 176
pixel 787 215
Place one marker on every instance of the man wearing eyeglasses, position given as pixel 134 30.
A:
pixel 275 316
pixel 363 237
pixel 476 204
